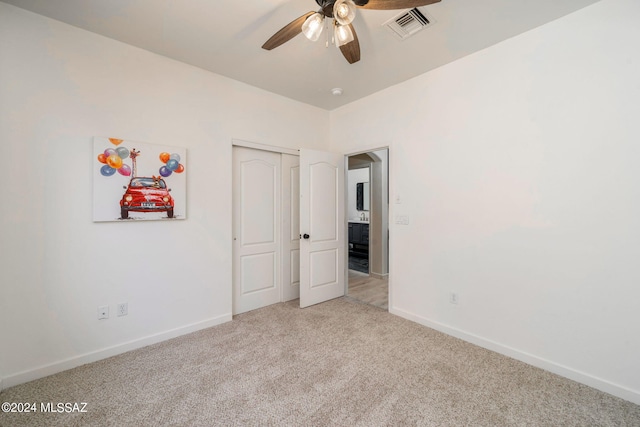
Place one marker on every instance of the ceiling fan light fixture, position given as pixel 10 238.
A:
pixel 344 11
pixel 312 27
pixel 343 35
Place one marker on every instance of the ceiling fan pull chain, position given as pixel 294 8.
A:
pixel 326 45
pixel 333 32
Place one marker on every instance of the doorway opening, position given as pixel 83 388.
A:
pixel 368 227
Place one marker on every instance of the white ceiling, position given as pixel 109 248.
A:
pixel 225 37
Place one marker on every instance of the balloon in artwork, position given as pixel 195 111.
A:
pixel 165 171
pixel 172 165
pixel 125 170
pixel 114 161
pixel 123 152
pixel 164 157
pixel 107 170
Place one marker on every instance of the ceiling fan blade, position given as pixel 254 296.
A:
pixel 393 4
pixel 286 33
pixel 351 50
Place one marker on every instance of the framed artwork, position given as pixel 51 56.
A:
pixel 138 181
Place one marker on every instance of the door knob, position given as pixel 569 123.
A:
pixel 305 236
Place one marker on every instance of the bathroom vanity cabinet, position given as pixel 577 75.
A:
pixel 359 238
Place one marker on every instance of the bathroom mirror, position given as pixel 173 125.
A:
pixel 362 196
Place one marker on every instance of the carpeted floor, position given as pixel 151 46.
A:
pixel 340 363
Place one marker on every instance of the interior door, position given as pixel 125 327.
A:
pixel 256 229
pixel 322 226
pixel 290 227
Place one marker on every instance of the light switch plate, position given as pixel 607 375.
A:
pixel 402 219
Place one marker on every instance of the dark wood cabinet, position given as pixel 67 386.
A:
pixel 359 239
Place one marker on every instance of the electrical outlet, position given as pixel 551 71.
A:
pixel 123 309
pixel 453 298
pixel 103 312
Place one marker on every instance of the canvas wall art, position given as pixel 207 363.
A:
pixel 138 181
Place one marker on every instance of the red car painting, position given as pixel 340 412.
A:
pixel 146 194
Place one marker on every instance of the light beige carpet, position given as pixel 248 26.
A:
pixel 340 363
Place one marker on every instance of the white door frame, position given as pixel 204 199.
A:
pixel 389 221
pixel 264 147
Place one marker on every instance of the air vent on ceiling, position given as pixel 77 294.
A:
pixel 408 23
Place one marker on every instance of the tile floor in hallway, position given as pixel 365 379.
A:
pixel 368 289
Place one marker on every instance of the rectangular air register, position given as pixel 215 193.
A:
pixel 408 23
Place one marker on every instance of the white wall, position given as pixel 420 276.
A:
pixel 518 169
pixel 59 87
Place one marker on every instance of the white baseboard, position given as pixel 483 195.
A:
pixel 63 365
pixel 564 371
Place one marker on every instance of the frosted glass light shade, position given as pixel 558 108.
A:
pixel 312 27
pixel 343 35
pixel 344 11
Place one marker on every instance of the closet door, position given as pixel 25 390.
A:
pixel 256 229
pixel 290 227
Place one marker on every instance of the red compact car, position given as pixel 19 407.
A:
pixel 146 194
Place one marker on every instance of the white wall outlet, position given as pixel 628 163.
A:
pixel 123 309
pixel 453 298
pixel 103 312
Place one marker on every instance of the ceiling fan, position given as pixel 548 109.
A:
pixel 342 12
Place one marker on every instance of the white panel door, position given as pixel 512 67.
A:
pixel 256 229
pixel 290 227
pixel 322 225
